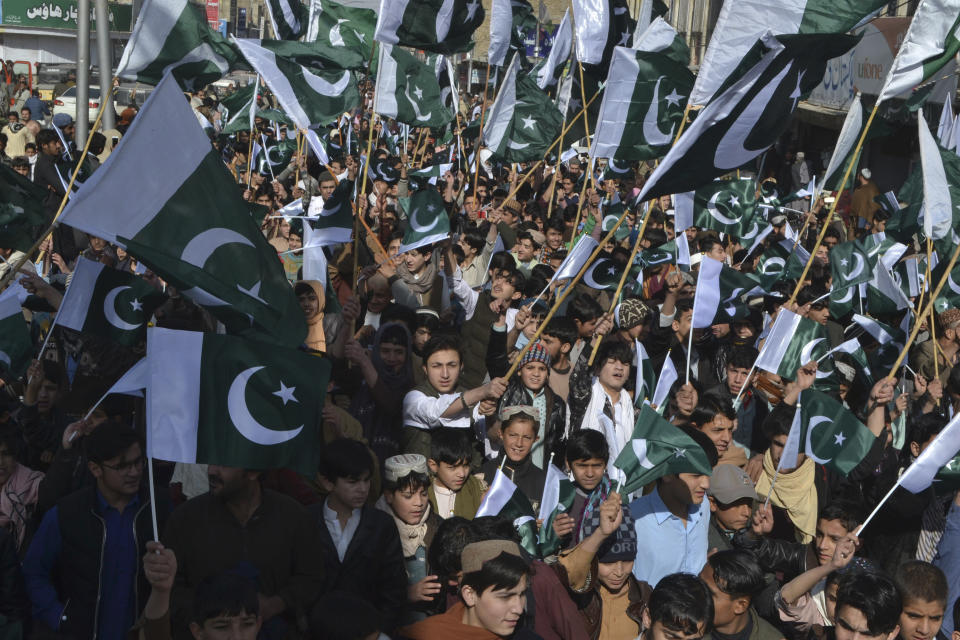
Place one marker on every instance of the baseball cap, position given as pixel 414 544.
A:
pixel 730 483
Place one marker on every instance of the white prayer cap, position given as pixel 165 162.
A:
pixel 397 467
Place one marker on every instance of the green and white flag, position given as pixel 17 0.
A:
pixel 849 267
pixel 884 295
pixel 660 37
pixel 239 101
pixel 930 43
pixel 509 20
pixel 408 90
pixel 108 303
pixel 646 380
pixel 749 116
pixel 21 209
pixel 16 347
pixel 934 458
pixel 827 433
pixel 523 121
pixel 215 399
pixel 188 223
pixel 668 375
pixel 722 205
pixel 642 105
pixel 741 23
pixel 309 97
pixel 793 342
pixel 941 190
pixel 719 292
pixel 658 448
pixel 440 26
pixel 288 18
pixel 950 293
pixel 315 56
pixel 601 25
pixel 173 35
pixel 890 343
pixel 505 499
pixel 665 253
pixel 333 223
pixel 274 158
pixel 603 275
pixel 558 496
pixel 846 142
pixel 427 220
pixel 549 72
pixel 778 262
pixel 340 25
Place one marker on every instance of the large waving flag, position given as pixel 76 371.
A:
pixel 334 219
pixel 827 433
pixel 109 303
pixel 173 35
pixel 427 220
pixel 741 23
pixel 726 206
pixel 601 25
pixel 441 26
pixel 188 222
pixel 941 190
pixel 642 105
pixel 793 341
pixel 288 17
pixel 750 115
pixel 215 399
pixel 661 38
pixel 16 347
pixel 846 142
pixel 340 25
pixel 523 121
pixel 310 97
pixel 408 90
pixel 552 67
pixel 719 291
pixel 509 20
pixel 938 454
pixel 931 42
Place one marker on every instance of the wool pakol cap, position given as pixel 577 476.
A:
pixel 401 466
pixel 475 554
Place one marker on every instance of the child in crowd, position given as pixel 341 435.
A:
pixel 586 455
pixel 558 338
pixel 924 590
pixel 454 492
pixel 519 434
pixel 360 544
pixel 715 418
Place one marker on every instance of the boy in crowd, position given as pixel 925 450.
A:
pixel 735 579
pixel 732 497
pixel 924 591
pixel 680 608
pixel 519 435
pixel 454 491
pixel 558 338
pixel 359 543
pixel 868 606
pixel 586 454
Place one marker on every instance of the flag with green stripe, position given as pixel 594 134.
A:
pixel 558 496
pixel 408 90
pixel 21 209
pixel 827 433
pixel 506 500
pixel 440 26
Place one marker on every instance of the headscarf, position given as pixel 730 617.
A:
pixel 795 492
pixel 316 339
pixel 402 380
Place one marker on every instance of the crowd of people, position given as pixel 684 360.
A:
pixel 422 413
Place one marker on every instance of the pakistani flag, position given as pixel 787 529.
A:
pixel 275 155
pixel 334 218
pixel 440 26
pixel 310 97
pixel 575 260
pixel 16 347
pixel 779 262
pixel 941 190
pixel 748 116
pixel 427 220
pixel 656 449
pixel 509 22
pixel 428 175
pixel 603 275
pixel 523 121
pixel 109 303
pixel 741 23
pixel 719 293
pixel 950 293
pixel 642 105
pixel 890 342
pixel 664 254
pixel 661 38
pixel 668 375
pixel 884 295
pixel 216 399
pixel 339 25
pixel 315 56
pixel 550 70
pixel 288 18
pixel 827 433
pixel 931 42
pixel 188 223
pixel 239 101
pixel 505 499
pixel 21 209
pixel 846 142
pixel 934 457
pixel 793 342
pixel 646 378
pixel 558 495
pixel 408 91
pixel 173 35
pixel 601 25
pixel 722 205
pixel 849 267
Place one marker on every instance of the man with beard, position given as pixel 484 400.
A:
pixel 239 526
pixel 82 566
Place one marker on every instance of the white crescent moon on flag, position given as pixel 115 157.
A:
pixel 202 245
pixel 859 265
pixel 814 422
pixel 324 88
pixel 806 354
pixel 651 126
pixel 588 278
pixel 952 284
pixel 419 228
pixel 777 261
pixel 732 152
pixel 110 310
pixel 244 422
pixel 846 297
pixel 640 450
pixel 416 108
pixel 715 213
pixel 517 145
pixel 335 38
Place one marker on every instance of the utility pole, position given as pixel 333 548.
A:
pixel 105 62
pixel 83 70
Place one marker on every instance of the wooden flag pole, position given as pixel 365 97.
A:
pixel 833 206
pixel 624 275
pixel 586 125
pixel 18 264
pixel 363 197
pixel 932 320
pixel 563 296
pixel 927 311
pixel 483 113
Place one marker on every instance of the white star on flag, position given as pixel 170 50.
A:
pixel 529 122
pixel 472 9
pixel 680 453
pixel 611 271
pixel 844 262
pixel 286 393
pixel 838 439
pixel 624 38
pixel 417 91
pixel 137 305
pixel 674 98
pixel 431 208
pixel 734 201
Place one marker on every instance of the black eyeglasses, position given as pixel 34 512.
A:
pixel 125 466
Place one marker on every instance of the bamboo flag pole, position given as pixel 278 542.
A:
pixel 18 264
pixel 927 311
pixel 563 296
pixel 833 205
pixel 932 320
pixel 483 113
pixel 624 275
